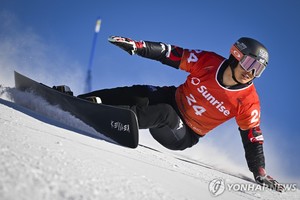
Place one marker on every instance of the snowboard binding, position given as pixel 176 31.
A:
pixel 64 89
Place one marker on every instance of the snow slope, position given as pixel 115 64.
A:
pixel 48 154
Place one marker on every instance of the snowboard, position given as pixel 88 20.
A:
pixel 118 123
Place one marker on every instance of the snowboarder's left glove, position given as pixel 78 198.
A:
pixel 126 44
pixel 267 181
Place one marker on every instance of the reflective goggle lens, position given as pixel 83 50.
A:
pixel 248 63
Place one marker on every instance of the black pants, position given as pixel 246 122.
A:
pixel 156 110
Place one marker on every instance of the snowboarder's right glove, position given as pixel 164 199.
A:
pixel 126 44
pixel 267 181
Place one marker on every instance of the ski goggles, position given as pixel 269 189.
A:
pixel 248 63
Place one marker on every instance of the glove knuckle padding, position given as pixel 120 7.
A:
pixel 126 44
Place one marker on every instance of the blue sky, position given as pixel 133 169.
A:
pixel 56 37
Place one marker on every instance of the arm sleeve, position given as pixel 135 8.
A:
pixel 165 53
pixel 253 144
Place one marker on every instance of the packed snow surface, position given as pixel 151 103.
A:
pixel 46 153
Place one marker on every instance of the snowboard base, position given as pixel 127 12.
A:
pixel 118 123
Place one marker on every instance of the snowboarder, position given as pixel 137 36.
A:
pixel 216 90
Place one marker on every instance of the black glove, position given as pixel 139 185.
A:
pixel 126 44
pixel 267 181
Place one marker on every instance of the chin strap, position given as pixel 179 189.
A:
pixel 233 76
